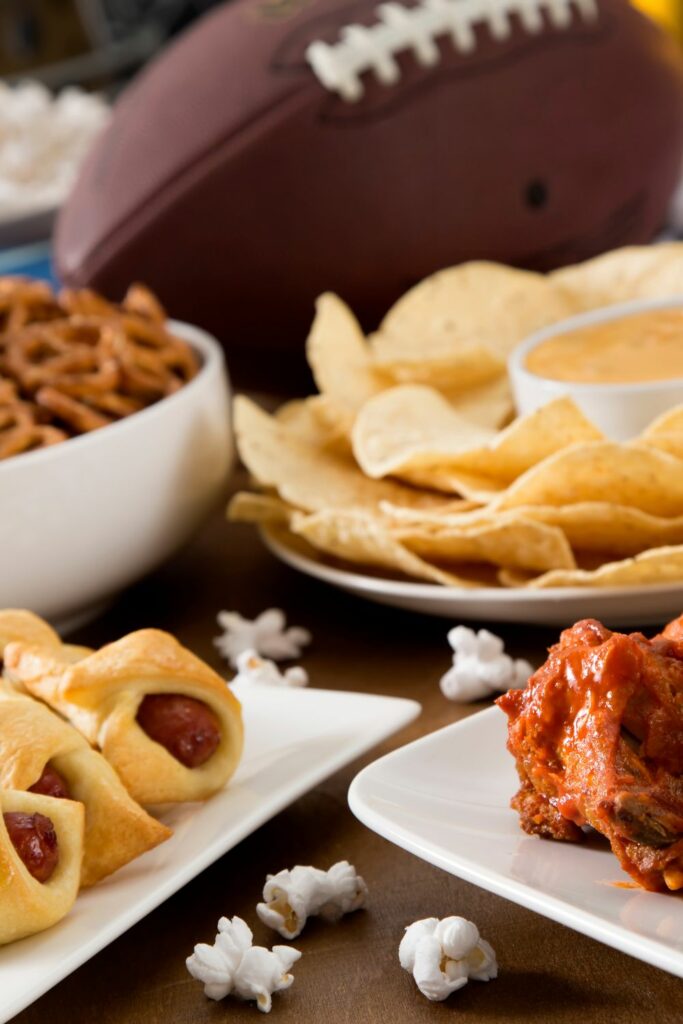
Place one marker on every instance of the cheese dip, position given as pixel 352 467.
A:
pixel 641 347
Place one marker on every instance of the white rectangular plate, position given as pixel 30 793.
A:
pixel 294 739
pixel 446 799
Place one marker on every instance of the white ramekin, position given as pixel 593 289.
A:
pixel 83 519
pixel 621 411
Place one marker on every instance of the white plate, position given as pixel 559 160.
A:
pixel 294 739
pixel 615 606
pixel 446 799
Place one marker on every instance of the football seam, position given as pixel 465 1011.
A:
pixel 360 49
pixel 351 115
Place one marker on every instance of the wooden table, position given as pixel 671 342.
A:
pixel 349 972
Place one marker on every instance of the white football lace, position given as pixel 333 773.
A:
pixel 338 66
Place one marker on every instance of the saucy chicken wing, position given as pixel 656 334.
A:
pixel 597 737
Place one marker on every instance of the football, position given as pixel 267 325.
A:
pixel 280 148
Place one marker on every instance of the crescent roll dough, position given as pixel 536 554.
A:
pixel 27 628
pixel 101 696
pixel 116 829
pixel 26 905
pixel 20 626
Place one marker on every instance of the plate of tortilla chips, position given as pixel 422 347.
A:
pixel 409 479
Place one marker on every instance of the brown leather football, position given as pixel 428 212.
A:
pixel 284 147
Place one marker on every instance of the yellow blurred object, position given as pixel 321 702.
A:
pixel 668 13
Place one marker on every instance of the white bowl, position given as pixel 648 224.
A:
pixel 83 519
pixel 621 411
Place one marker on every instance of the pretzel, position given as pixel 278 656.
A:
pixel 44 436
pixel 144 373
pixel 116 405
pixel 8 392
pixel 40 355
pixel 16 430
pixel 83 301
pixel 142 301
pixel 19 431
pixel 77 362
pixel 21 439
pixel 23 301
pixel 75 414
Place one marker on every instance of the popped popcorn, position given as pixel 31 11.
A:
pixel 252 669
pixel 480 666
pixel 234 965
pixel 443 955
pixel 265 635
pixel 43 140
pixel 291 897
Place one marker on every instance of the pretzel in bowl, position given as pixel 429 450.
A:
pixel 19 429
pixel 23 301
pixel 75 362
pixel 166 722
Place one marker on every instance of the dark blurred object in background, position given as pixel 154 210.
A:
pixel 90 42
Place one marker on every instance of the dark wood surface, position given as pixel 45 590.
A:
pixel 349 972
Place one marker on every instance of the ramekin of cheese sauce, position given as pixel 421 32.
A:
pixel 622 365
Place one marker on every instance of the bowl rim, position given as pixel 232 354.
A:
pixel 603 314
pixel 212 360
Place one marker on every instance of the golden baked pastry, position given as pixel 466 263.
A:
pixel 22 626
pixel 25 627
pixel 40 751
pixel 40 838
pixel 18 625
pixel 168 724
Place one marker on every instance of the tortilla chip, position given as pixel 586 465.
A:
pixel 665 433
pixel 247 507
pixel 655 566
pixel 593 526
pixel 335 418
pixel 411 425
pixel 363 539
pixel 339 356
pixel 411 432
pixel 634 272
pixel 297 416
pixel 347 377
pixel 318 422
pixel 456 328
pixel 643 478
pixel 511 541
pixel 307 476
pixel 487 405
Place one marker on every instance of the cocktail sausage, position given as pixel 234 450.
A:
pixel 35 840
pixel 51 783
pixel 186 727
